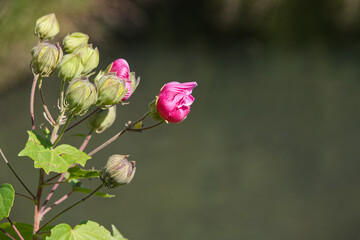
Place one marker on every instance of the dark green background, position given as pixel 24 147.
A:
pixel 270 148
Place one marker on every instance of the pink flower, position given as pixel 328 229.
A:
pixel 174 101
pixel 122 70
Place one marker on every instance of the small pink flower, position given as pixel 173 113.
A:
pixel 122 69
pixel 174 101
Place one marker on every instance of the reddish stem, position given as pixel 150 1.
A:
pixel 86 141
pixel 32 97
pixel 7 234
pixel 56 203
pixel 16 230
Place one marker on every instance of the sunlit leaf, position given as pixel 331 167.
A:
pixel 78 173
pixel 116 234
pixel 7 195
pixel 52 160
pixel 88 230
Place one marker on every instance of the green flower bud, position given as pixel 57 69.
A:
pixel 154 112
pixel 72 41
pixel 47 27
pixel 80 96
pixel 70 67
pixel 46 58
pixel 102 119
pixel 111 89
pixel 89 57
pixel 118 171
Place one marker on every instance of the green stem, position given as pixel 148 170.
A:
pixel 63 129
pixel 75 204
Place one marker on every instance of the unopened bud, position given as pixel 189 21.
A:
pixel 102 119
pixel 80 96
pixel 70 67
pixel 111 89
pixel 118 171
pixel 72 41
pixel 89 57
pixel 46 58
pixel 47 27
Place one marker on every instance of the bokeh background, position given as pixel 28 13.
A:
pixel 270 149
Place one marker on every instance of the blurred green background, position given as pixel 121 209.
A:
pixel 270 148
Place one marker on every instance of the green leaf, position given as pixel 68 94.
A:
pixel 56 160
pixel 88 230
pixel 7 195
pixel 25 230
pixel 87 191
pixel 78 173
pixel 117 235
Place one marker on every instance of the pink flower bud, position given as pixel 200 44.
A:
pixel 174 101
pixel 122 70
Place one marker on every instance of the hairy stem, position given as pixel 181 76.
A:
pixel 18 178
pixel 32 97
pixel 16 230
pixel 37 215
pixel 75 204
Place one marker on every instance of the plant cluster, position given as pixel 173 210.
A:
pixel 80 100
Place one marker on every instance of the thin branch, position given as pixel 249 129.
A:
pixel 145 128
pixel 16 230
pixel 63 198
pixel 52 192
pixel 52 183
pixel 116 136
pixel 48 114
pixel 7 234
pixel 52 178
pixel 32 96
pixel 75 204
pixel 86 141
pixel 18 178
pixel 83 119
pixel 24 196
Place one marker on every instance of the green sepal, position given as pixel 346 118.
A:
pixel 50 159
pixel 7 195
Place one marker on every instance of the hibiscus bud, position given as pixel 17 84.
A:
pixel 72 41
pixel 70 67
pixel 121 68
pixel 118 171
pixel 111 90
pixel 47 27
pixel 89 57
pixel 80 96
pixel 46 58
pixel 174 101
pixel 102 119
